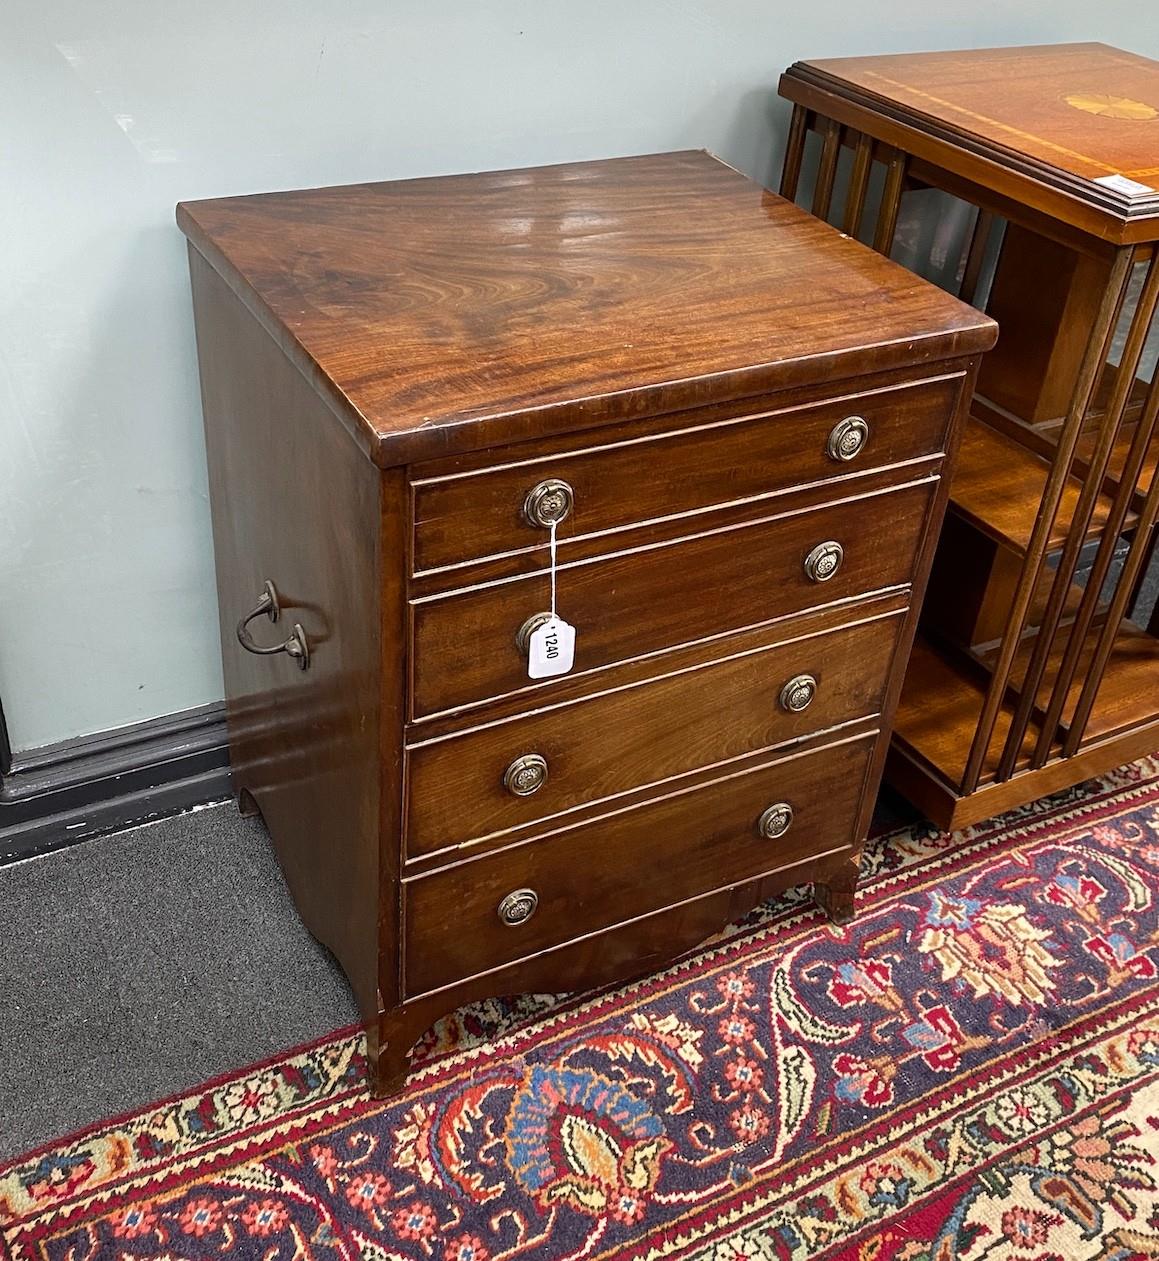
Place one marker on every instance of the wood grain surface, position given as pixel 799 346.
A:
pixel 616 954
pixel 629 604
pixel 1088 109
pixel 755 456
pixel 644 734
pixel 686 844
pixel 1056 138
pixel 439 315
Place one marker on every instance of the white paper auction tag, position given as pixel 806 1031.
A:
pixel 551 649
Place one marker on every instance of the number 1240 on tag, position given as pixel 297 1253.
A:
pixel 551 650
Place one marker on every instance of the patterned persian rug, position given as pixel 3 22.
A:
pixel 970 1070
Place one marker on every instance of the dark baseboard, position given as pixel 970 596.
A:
pixel 64 793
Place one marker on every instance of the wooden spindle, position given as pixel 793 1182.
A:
pixel 1139 551
pixel 1142 254
pixel 1098 344
pixel 858 184
pixel 1153 558
pixel 827 168
pixel 1080 525
pixel 890 202
pixel 794 152
pixel 976 255
pixel 1111 427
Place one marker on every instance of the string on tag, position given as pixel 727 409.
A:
pixel 553 569
pixel 551 646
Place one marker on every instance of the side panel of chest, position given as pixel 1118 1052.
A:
pixel 295 502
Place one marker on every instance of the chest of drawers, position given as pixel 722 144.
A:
pixel 739 422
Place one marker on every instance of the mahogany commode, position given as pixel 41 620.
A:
pixel 738 420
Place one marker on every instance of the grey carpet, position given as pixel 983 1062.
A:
pixel 137 965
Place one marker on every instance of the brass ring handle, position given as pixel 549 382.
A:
pixel 846 438
pixel 526 775
pixel 798 693
pixel 297 646
pixel 548 503
pixel 524 633
pixel 518 907
pixel 775 821
pixel 824 561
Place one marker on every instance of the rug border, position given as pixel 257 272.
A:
pixel 1126 1088
pixel 211 1083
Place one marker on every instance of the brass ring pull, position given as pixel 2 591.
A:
pixel 798 693
pixel 526 775
pixel 518 907
pixel 524 633
pixel 548 503
pixel 297 646
pixel 775 821
pixel 824 561
pixel 846 438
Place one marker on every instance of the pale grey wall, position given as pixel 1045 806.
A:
pixel 113 110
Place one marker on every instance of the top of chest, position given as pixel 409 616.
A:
pixel 1080 121
pixel 445 315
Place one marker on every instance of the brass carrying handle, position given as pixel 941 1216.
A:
pixel 297 646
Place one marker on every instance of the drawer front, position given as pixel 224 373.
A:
pixel 623 866
pixel 514 773
pixel 468 517
pixel 464 645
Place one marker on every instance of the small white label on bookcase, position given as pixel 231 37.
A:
pixel 1121 184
